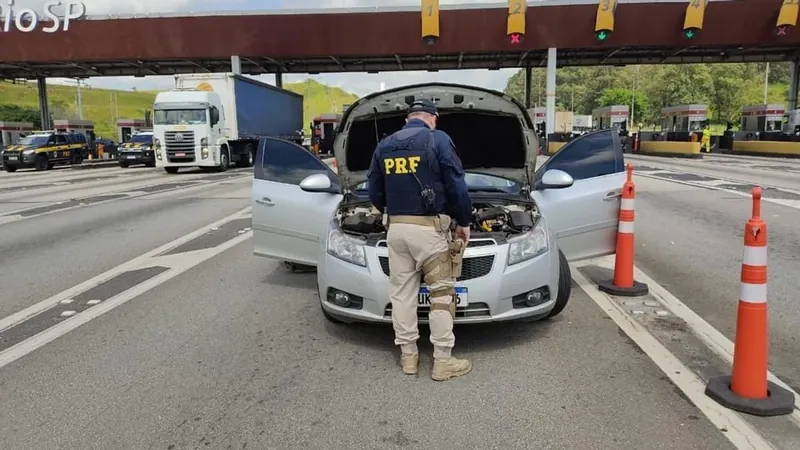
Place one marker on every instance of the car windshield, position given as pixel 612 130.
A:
pixel 142 138
pixel 476 182
pixel 34 140
pixel 179 116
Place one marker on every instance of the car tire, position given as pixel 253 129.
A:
pixel 564 286
pixel 41 163
pixel 50 166
pixel 151 164
pixel 172 170
pixel 10 169
pixel 248 158
pixel 223 160
pixel 124 164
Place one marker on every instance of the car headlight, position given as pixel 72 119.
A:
pixel 29 152
pixel 347 248
pixel 528 246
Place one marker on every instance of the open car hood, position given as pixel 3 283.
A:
pixel 492 132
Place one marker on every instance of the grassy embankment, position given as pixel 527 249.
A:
pixel 98 104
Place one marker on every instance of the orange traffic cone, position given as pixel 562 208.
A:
pixel 623 283
pixel 748 389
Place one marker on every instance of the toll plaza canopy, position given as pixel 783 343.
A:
pixel 387 39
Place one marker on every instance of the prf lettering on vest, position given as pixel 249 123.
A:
pixel 401 165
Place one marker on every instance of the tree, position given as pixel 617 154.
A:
pixel 16 113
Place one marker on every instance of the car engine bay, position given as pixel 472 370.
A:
pixel 498 220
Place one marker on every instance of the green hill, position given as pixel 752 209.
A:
pixel 99 104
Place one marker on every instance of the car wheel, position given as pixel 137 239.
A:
pixel 10 169
pixel 123 164
pixel 171 169
pixel 564 285
pixel 41 163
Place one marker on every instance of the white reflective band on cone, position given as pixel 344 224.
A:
pixel 755 256
pixel 625 227
pixel 753 293
pixel 627 203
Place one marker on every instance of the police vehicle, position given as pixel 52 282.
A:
pixel 528 222
pixel 138 150
pixel 42 150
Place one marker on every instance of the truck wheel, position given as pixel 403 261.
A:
pixel 41 163
pixel 223 161
pixel 247 159
pixel 564 285
pixel 171 169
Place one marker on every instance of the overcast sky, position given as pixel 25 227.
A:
pixel 358 83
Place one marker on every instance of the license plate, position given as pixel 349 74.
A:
pixel 12 158
pixel 131 156
pixel 424 297
pixel 180 154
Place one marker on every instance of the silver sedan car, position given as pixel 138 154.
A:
pixel 528 223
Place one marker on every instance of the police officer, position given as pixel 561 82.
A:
pixel 417 178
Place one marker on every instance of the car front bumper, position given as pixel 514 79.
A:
pixel 19 160
pixel 142 157
pixel 495 291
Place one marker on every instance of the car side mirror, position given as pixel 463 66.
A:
pixel 319 182
pixel 556 179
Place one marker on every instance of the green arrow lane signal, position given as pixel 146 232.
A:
pixel 690 33
pixel 602 36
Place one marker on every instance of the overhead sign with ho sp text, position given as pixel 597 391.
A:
pixel 26 20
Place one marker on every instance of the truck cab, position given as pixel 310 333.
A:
pixel 189 130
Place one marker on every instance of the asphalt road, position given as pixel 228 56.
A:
pixel 689 237
pixel 207 346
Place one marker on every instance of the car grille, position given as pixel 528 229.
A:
pixel 472 243
pixel 475 267
pixel 179 142
pixel 477 309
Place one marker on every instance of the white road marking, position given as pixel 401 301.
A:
pixel 789 203
pixel 739 432
pixel 67 313
pixel 710 336
pixel 187 262
pixel 93 302
pixel 66 301
pixel 136 263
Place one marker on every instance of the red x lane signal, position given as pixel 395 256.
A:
pixel 515 38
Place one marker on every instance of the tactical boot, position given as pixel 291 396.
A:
pixel 447 368
pixel 410 363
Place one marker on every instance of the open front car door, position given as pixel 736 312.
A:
pixel 578 191
pixel 295 195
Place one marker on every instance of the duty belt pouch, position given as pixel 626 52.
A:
pixel 457 248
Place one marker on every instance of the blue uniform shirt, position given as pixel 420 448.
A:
pixel 404 154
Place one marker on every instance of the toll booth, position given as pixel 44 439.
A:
pixel 614 116
pixel 763 132
pixel 128 127
pixel 680 135
pixel 11 132
pixel 323 132
pixel 684 123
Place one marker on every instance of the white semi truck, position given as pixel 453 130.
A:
pixel 213 120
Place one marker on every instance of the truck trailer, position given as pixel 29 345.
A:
pixel 212 120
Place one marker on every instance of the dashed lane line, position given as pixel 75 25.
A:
pixel 738 431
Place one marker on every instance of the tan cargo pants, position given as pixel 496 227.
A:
pixel 409 246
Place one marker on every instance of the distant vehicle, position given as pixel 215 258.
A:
pixel 45 149
pixel 211 120
pixel 527 225
pixel 138 150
